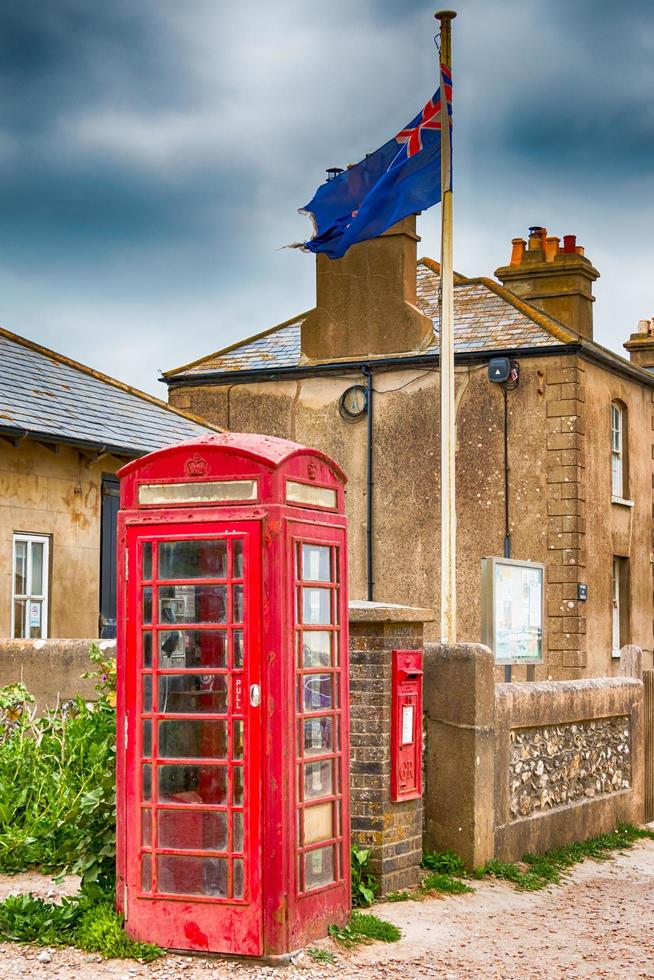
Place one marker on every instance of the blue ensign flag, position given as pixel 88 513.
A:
pixel 401 178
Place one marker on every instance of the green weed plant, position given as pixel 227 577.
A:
pixel 364 885
pixel 537 871
pixel 364 928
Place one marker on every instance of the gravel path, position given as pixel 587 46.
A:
pixel 600 923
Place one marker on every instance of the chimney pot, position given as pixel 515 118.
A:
pixel 518 246
pixel 557 280
pixel 537 237
pixel 551 247
pixel 644 326
pixel 569 244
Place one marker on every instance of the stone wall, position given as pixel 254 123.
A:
pixel 520 768
pixel 552 767
pixel 50 669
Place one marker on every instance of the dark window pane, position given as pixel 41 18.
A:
pixel 237 558
pixel 192 604
pixel 192 693
pixel 20 569
pixel 237 830
pixel 237 878
pixel 146 828
pixel 189 738
pixel 147 738
pixel 237 604
pixel 147 605
pixel 147 649
pixel 146 873
pixel 182 875
pixel 237 786
pixel 237 640
pixel 192 559
pixel 147 693
pixel 192 648
pixel 237 740
pixel 19 618
pixel 192 830
pixel 147 560
pixel 193 784
pixel 147 782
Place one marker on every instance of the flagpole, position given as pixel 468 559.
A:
pixel 446 361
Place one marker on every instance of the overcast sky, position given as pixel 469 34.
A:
pixel 153 154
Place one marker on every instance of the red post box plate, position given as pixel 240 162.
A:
pixel 406 725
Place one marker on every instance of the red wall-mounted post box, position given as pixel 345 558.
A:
pixel 406 725
pixel 233 731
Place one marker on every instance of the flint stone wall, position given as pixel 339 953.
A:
pixel 568 761
pixel 552 767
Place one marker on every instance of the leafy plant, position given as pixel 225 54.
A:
pixel 402 896
pixel 364 927
pixel 57 785
pixel 364 884
pixel 444 862
pixel 82 921
pixel 321 955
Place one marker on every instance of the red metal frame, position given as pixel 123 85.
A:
pixel 277 911
pixel 406 756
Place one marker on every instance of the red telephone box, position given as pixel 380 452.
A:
pixel 233 734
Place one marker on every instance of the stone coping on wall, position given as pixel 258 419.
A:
pixel 532 705
pixel 364 611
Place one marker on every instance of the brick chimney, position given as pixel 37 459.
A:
pixel 557 279
pixel 641 344
pixel 366 301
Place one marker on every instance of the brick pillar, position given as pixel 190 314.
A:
pixel 566 525
pixel 393 831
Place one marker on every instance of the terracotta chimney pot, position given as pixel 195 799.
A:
pixel 569 244
pixel 537 236
pixel 551 247
pixel 518 246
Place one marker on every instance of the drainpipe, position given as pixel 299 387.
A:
pixel 367 372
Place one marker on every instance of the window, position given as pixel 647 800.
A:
pixel 619 486
pixel 30 586
pixel 620 605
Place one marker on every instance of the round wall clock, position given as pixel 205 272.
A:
pixel 353 403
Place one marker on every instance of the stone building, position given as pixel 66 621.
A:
pixel 64 431
pixel 560 467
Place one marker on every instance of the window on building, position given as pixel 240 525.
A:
pixel 619 486
pixel 30 586
pixel 620 603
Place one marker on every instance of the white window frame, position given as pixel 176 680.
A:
pixel 616 585
pixel 30 596
pixel 617 450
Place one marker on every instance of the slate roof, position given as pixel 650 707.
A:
pixel 47 396
pixel 487 318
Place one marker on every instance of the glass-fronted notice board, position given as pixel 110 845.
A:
pixel 512 608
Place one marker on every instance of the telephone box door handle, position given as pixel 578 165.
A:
pixel 255 695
